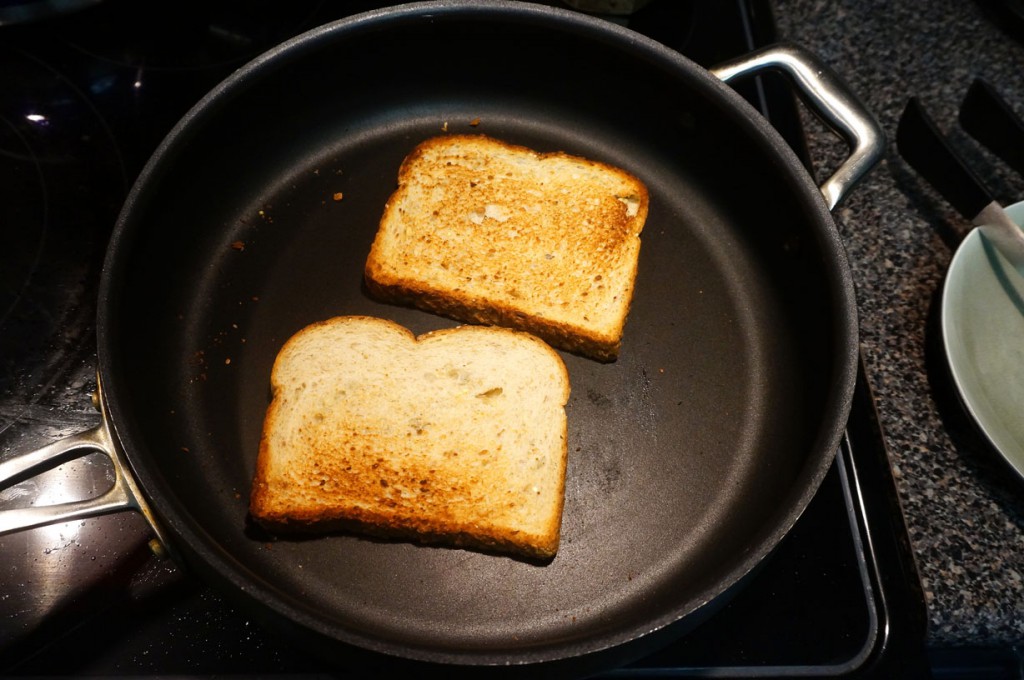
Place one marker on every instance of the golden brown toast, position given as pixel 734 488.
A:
pixel 488 232
pixel 457 436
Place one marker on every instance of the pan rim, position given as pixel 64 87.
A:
pixel 213 563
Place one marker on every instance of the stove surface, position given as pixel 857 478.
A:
pixel 84 100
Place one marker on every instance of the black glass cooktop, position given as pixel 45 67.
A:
pixel 85 97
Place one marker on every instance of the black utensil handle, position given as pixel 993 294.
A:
pixel 987 117
pixel 927 151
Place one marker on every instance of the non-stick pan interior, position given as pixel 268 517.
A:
pixel 690 456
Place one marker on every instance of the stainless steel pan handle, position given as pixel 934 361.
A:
pixel 827 96
pixel 123 495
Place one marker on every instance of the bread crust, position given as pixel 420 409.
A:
pixel 458 476
pixel 488 232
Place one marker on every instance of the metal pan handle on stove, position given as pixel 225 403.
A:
pixel 123 495
pixel 828 97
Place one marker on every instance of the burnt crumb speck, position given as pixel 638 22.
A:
pixel 598 399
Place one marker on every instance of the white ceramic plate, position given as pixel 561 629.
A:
pixel 983 332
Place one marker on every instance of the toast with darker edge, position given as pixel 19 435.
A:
pixel 457 436
pixel 488 232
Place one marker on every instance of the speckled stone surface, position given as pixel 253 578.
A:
pixel 964 508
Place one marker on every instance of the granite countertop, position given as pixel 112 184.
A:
pixel 964 507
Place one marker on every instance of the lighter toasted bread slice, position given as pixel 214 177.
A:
pixel 457 436
pixel 488 232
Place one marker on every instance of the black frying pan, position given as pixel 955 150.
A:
pixel 690 457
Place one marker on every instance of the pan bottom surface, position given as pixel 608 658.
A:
pixel 686 455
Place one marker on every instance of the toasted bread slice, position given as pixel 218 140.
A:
pixel 487 232
pixel 457 436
